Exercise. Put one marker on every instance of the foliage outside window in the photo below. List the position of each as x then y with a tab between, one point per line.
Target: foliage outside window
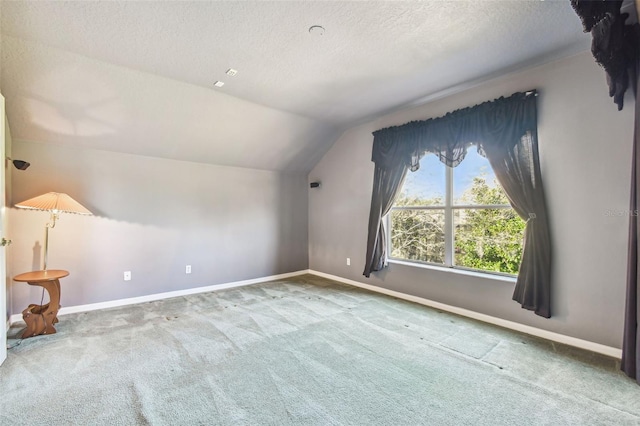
456	217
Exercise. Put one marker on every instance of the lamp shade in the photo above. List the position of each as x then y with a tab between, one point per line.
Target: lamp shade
55	202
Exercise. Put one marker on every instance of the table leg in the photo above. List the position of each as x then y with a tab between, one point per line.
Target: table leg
40	318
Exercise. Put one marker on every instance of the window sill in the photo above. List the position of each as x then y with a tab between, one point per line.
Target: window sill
484	275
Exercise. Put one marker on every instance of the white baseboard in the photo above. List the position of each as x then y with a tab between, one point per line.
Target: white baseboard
545	334
549	335
167	295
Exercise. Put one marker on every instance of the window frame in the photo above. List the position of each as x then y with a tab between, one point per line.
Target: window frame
449	209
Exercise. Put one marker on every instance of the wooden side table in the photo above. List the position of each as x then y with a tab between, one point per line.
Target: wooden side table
40	318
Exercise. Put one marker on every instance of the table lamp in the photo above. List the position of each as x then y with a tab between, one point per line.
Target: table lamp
55	203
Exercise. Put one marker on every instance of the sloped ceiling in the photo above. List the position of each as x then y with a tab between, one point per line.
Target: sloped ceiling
137	77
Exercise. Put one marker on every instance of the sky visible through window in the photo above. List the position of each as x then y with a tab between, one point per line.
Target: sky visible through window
429	182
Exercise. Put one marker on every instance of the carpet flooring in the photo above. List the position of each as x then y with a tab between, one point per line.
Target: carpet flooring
302	351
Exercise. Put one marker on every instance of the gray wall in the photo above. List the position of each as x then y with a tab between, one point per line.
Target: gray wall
585	148
152	217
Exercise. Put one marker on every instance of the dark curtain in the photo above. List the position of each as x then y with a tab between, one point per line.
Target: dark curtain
387	182
518	171
505	130
616	47
631	340
391	163
614	43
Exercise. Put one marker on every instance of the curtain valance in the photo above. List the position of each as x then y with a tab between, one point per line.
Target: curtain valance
500	123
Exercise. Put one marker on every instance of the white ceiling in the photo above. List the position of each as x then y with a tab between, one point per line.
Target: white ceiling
138	77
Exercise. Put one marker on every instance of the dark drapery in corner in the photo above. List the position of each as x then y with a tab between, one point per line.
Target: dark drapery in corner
631	341
505	130
616	47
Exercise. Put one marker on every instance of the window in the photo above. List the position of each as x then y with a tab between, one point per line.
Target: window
456	217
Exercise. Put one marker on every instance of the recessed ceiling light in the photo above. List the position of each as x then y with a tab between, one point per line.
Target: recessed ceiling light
232	72
316	30
219	83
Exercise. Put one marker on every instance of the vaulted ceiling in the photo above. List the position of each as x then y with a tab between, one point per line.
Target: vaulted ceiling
137	77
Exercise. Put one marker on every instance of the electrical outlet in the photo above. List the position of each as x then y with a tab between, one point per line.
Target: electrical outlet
348	261
127	275
187	269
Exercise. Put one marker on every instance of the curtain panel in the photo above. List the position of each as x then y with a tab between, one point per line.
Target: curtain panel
505	131
630	363
616	48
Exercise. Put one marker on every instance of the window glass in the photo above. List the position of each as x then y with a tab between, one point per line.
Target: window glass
426	186
418	235
474	182
487	234
488	239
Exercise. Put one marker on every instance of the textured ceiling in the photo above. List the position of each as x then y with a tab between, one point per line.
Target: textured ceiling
138	76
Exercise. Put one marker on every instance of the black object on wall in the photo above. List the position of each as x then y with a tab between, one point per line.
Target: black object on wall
314	185
20	164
